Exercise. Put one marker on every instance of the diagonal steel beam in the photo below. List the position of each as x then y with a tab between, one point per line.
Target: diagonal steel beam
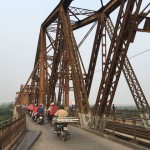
132	81
54	15
107	9
119	45
96	45
56	60
80	92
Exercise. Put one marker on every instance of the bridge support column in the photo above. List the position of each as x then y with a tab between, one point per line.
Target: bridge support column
85	120
99	122
42	67
145	117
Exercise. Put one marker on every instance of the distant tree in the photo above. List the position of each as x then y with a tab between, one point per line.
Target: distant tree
5	111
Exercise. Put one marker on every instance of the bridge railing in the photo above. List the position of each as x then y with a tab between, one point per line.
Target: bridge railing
11	130
126	117
130	131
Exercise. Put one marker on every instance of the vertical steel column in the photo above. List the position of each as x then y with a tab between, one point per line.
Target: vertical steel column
46	81
42	67
104	50
66	88
61	80
77	76
56	61
33	92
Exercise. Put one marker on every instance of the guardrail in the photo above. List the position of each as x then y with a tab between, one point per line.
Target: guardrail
131	130
127	113
11	130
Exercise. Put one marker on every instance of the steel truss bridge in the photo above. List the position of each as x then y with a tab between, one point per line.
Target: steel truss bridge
59	70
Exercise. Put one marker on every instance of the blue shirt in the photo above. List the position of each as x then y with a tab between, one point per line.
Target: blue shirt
40	110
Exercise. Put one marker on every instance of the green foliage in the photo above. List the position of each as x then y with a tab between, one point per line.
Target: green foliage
134	108
5	111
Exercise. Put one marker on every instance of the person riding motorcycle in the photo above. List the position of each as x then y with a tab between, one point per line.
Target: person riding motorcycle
60	113
49	116
35	111
40	115
40	110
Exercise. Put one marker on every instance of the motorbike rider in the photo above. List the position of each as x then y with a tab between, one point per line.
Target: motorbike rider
60	113
49	115
40	110
35	110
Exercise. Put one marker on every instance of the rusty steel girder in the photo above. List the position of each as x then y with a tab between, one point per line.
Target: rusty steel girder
96	45
135	88
77	76
58	61
107	9
116	56
74	11
53	19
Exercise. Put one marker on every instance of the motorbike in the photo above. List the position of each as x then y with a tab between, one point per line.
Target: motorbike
34	117
30	113
51	120
40	119
62	130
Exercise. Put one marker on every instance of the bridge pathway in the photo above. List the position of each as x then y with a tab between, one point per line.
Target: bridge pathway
78	140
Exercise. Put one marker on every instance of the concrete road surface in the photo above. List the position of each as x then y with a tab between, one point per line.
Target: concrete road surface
78	140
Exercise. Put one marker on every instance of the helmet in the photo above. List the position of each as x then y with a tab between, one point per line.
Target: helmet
61	107
41	105
52	104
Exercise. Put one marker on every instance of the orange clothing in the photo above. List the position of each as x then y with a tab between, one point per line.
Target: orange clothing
35	109
61	113
30	107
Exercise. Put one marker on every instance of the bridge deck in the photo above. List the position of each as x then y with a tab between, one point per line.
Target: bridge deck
79	139
31	136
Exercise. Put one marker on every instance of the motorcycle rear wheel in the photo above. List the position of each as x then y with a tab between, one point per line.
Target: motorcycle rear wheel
64	138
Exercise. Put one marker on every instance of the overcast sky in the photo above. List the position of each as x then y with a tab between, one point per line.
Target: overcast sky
19	30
